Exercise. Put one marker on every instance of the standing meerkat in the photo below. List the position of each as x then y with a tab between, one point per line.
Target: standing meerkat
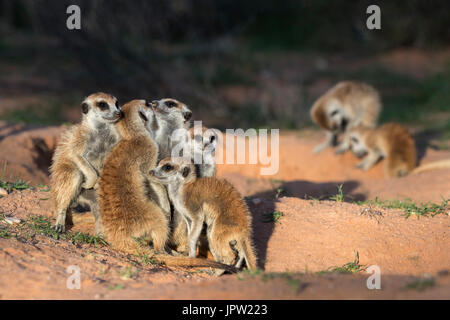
346	105
213	202
80	153
393	142
171	115
127	209
198	144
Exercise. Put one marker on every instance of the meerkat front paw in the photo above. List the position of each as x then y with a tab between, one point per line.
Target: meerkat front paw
60	228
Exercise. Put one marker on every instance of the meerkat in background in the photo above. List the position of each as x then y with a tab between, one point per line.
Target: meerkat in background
346	105
390	141
393	142
199	145
171	115
79	155
126	209
213	202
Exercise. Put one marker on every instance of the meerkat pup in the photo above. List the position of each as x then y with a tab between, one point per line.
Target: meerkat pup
346	105
171	115
199	145
127	211
393	142
213	202
79	155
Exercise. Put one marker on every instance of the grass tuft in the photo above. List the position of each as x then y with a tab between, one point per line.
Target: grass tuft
272	217
348	268
410	208
421	284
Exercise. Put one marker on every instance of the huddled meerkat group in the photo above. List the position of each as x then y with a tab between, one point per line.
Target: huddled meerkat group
352	109
117	161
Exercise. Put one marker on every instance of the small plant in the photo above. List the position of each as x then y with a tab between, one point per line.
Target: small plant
84	238
421	284
410	208
4	233
129	273
279	192
348	268
339	197
10	186
273	217
294	283
249	274
146	259
118	286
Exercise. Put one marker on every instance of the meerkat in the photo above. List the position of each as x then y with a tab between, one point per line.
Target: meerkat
393	142
213	202
127	211
346	105
204	145
79	155
199	145
171	115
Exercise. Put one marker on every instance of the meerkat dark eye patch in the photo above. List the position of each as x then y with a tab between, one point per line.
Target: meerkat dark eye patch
142	115
84	107
167	167
170	104
102	105
212	139
185	172
335	112
354	140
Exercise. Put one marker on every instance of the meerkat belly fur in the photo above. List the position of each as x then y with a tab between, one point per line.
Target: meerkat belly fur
346	105
213	202
79	156
126	209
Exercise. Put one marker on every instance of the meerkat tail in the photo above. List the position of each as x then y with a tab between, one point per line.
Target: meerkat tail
172	261
442	164
246	249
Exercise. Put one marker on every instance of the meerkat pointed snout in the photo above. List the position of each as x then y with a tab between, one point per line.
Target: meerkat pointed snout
79	155
213	202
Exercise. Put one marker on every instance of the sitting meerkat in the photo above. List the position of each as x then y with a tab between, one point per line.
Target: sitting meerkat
127	211
346	105
171	115
393	142
213	202
204	145
80	153
199	147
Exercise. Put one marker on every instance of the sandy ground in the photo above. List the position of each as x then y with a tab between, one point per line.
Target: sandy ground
309	238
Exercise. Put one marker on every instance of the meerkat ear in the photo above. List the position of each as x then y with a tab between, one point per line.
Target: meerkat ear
84	107
185	172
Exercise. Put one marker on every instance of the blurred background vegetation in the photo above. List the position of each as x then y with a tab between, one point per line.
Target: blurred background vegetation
254	63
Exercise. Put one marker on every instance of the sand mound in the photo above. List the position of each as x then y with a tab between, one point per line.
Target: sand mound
298	251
